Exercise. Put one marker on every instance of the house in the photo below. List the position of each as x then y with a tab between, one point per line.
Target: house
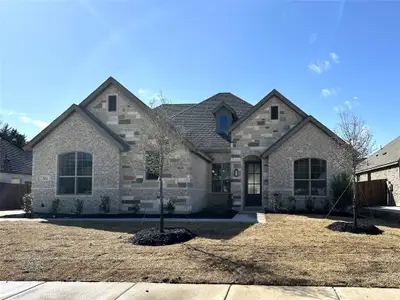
383	164
258	154
15	163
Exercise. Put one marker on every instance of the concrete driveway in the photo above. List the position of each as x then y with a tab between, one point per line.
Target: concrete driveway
35	290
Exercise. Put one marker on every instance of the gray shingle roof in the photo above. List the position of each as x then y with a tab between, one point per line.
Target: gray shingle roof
13	159
198	121
173	109
388	155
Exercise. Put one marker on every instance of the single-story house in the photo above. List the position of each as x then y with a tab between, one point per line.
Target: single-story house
15	164
384	164
253	153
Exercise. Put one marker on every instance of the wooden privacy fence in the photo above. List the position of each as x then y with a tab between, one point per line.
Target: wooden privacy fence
11	195
372	193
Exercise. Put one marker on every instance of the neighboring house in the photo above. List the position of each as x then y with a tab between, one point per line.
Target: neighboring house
252	152
383	164
15	163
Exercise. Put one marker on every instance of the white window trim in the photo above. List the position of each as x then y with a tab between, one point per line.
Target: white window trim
116	103
309	180
58	177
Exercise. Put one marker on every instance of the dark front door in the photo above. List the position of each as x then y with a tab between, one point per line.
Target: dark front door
253	183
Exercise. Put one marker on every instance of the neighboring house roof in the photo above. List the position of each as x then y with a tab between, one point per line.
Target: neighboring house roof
173	109
198	121
13	159
273	93
100	126
389	155
294	130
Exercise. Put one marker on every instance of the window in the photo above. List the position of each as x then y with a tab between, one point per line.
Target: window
75	173
310	177
220	178
274	112
223	123
112	103
152	164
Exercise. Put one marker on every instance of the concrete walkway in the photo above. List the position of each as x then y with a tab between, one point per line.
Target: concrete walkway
12	213
35	290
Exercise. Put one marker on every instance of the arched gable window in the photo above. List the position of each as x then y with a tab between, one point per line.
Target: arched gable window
75	173
310	177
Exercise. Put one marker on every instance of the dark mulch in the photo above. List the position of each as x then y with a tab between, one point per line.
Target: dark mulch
228	214
170	236
348	227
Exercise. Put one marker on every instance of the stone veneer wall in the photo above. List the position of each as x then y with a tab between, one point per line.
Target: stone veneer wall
309	142
391	174
253	137
127	121
75	134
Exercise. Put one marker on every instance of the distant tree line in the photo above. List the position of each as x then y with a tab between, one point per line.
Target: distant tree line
12	135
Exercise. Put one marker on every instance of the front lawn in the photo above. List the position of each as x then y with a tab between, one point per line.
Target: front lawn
286	250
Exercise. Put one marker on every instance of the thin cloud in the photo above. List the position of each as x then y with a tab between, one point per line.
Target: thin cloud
320	67
348	104
355	98
334	57
25	119
329	92
142	92
40	124
338	108
312	38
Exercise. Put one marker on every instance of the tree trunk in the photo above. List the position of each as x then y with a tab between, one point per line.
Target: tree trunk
161	205
354	200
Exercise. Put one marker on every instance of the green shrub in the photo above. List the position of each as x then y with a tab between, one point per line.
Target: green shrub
134	208
338	185
276	201
310	203
104	204
78	206
291	204
55	206
170	207
27	204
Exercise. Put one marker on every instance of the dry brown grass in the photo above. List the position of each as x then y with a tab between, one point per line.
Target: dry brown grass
287	250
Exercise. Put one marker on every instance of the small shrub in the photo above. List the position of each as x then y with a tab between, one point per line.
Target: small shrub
27	204
78	206
338	185
104	204
291	207
55	206
276	202
310	203
170	207
326	203
134	208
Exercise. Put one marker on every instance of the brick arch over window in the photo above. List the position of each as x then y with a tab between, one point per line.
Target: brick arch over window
75	173
310	177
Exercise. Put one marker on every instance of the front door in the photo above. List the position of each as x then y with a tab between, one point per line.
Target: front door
253	183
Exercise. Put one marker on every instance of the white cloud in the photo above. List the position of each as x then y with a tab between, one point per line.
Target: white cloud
40	124
348	104
312	38
25	119
355	98
329	92
334	57
320	67
142	92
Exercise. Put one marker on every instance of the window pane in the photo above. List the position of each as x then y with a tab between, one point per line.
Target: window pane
250	188
84	185
67	164
66	185
257	178
274	112
223	123
257	169
301	170
225	171
257	189
112	103
227	186
250	168
216	171
84	164
318	187
216	186
301	187
250	178
318	169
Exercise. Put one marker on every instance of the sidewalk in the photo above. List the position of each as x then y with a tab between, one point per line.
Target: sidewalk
32	290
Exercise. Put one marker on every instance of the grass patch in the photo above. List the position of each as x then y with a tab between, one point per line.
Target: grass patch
287	250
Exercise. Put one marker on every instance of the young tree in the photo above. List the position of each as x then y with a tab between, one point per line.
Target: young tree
12	135
161	148
359	143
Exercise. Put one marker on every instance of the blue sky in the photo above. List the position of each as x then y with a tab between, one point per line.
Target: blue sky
322	55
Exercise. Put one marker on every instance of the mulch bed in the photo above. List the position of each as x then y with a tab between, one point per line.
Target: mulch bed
170	236
348	227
